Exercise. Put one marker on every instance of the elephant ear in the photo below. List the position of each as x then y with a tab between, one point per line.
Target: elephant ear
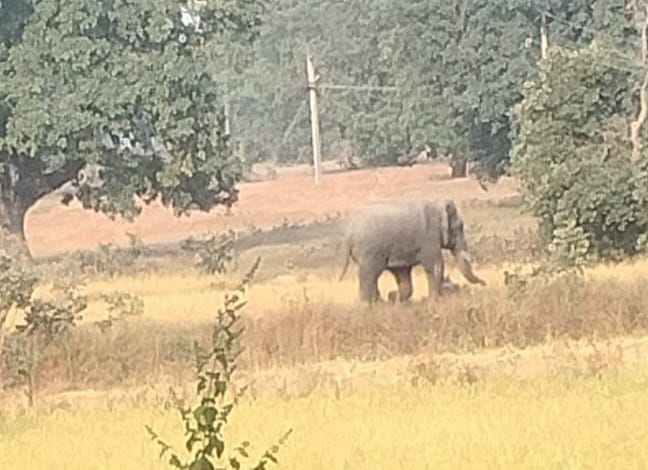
448	217
445	224
432	212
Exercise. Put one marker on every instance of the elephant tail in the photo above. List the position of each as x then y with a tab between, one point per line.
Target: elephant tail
346	248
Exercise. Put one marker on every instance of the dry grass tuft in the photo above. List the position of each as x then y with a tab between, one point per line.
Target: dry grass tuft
305	326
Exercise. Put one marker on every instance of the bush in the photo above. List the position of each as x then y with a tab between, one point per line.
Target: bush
205	423
213	253
17	283
572	153
111	260
33	329
46	323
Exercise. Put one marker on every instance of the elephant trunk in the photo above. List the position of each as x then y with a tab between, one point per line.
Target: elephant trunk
465	267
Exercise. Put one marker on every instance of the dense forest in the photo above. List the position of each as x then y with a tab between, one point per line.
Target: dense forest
458	67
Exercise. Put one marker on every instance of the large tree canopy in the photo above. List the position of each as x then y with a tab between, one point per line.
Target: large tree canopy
127	85
459	78
582	167
572	153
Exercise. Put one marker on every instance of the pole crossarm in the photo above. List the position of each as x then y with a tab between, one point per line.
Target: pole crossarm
359	87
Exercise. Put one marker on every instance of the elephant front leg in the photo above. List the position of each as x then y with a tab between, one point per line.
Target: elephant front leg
369	283
404	280
435	275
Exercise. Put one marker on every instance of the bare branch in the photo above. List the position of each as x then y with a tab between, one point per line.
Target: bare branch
66	173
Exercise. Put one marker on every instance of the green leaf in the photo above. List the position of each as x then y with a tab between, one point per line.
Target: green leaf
193	439
201	464
174	461
206	416
215	444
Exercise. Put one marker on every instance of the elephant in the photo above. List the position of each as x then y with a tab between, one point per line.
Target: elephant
399	236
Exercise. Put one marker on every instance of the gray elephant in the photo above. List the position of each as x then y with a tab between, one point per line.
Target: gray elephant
399	236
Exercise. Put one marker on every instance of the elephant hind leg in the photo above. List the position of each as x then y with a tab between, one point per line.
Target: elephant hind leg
404	280
368	276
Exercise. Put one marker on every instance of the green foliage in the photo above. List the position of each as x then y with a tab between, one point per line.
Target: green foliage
573	155
120	306
46	323
124	86
34	327
17	282
204	424
458	66
214	253
111	260
460	78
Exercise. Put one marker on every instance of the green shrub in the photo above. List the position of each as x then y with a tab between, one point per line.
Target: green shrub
572	153
213	253
205	422
46	323
111	260
17	282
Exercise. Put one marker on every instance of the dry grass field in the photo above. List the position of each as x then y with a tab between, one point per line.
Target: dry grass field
576	424
548	375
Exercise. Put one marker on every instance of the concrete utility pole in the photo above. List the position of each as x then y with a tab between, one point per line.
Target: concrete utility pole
544	36
314	116
226	111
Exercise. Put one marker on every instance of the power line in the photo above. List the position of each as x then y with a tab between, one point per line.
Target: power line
359	87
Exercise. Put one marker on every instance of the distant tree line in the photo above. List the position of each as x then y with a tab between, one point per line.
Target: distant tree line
459	67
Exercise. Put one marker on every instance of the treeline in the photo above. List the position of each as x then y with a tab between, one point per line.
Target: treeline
459	67
548	89
553	90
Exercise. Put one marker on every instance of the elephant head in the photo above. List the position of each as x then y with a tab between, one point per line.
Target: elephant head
453	239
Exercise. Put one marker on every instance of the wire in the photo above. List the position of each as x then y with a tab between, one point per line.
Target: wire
359	87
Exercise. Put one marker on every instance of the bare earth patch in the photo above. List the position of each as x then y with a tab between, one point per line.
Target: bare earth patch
54	228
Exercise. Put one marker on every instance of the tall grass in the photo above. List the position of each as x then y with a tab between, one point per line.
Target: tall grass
308	326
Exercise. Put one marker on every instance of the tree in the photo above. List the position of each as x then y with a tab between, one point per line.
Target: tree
572	152
461	65
124	85
344	39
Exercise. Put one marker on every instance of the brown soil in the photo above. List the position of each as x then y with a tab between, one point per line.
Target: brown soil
53	228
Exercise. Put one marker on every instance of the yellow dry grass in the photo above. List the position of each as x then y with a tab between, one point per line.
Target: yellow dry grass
549	423
191	297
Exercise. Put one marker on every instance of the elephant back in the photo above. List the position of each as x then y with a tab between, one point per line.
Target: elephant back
388	224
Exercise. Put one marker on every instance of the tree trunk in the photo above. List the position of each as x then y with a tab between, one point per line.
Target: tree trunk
459	167
12	220
3	334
